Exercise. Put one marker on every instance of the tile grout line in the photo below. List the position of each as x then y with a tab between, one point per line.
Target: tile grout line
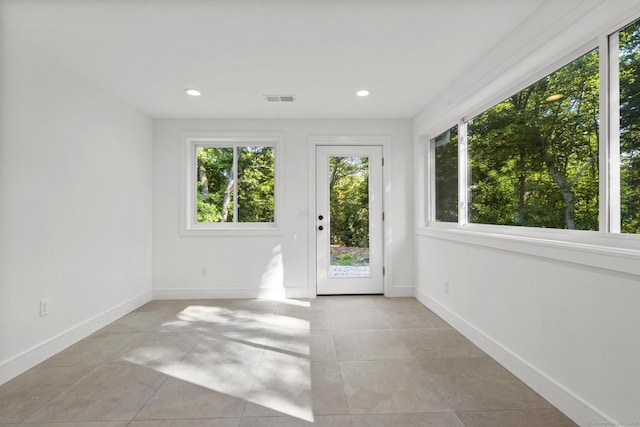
255	374
66	390
155	392
166	377
339	363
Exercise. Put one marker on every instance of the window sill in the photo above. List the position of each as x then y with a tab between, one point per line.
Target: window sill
620	253
235	230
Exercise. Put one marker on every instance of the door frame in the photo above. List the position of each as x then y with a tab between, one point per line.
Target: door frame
315	141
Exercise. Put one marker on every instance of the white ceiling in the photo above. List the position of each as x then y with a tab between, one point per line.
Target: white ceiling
406	52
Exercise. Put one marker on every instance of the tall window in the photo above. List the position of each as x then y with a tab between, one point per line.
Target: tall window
235	184
534	156
446	175
629	78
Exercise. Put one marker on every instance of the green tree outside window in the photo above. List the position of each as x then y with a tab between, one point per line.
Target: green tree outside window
534	156
219	183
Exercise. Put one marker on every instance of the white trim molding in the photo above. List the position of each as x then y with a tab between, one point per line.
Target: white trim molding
385	142
231	293
615	253
564	399
29	358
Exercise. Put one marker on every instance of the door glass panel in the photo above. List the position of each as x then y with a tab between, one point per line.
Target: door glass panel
349	217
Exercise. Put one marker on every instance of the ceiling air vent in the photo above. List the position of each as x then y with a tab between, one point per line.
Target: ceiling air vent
280	98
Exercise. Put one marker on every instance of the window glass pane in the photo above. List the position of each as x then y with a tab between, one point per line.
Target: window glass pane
256	189
629	51
446	172
534	156
215	184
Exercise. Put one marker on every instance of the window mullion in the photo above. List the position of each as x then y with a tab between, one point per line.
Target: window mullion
192	196
235	183
463	175
431	181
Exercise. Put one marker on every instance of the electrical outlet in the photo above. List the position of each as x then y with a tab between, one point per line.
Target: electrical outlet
44	307
203	271
446	287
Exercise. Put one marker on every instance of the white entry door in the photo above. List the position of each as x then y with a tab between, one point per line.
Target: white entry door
349	220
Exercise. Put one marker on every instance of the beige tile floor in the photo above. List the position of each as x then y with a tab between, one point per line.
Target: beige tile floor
333	361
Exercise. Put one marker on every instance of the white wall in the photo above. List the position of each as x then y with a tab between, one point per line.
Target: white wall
569	330
75	207
271	265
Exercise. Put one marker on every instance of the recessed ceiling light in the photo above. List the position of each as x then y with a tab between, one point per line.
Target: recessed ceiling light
363	92
193	92
554	97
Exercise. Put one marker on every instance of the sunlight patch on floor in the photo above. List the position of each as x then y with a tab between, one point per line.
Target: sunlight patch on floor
296	302
259	357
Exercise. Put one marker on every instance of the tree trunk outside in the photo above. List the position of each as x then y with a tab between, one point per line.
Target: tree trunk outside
202	175
567	194
569	211
334	173
226	201
227	196
522	182
563	185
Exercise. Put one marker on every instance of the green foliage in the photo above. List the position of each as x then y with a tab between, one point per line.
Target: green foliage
215	170
630	128
345	259
256	167
446	164
217	184
534	159
349	201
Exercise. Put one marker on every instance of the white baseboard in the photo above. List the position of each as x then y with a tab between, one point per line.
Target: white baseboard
402	292
21	362
562	398
279	293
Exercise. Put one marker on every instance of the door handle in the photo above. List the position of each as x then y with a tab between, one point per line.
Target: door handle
320	228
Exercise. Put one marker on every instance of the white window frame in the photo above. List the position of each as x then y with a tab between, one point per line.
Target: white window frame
602	248
189	226
431	180
463	159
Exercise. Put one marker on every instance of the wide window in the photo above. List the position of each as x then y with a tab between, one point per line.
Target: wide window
231	183
534	156
446	175
534	159
629	78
